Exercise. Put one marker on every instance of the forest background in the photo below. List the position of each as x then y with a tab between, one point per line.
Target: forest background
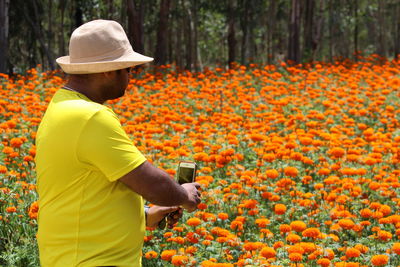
191	34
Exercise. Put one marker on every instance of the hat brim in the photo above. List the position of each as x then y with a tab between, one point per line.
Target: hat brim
125	61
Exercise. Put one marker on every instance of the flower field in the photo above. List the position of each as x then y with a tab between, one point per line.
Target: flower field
299	165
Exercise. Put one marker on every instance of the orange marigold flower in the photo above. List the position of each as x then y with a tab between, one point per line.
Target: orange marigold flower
324	262
380	260
11	209
352	253
324	171
280	209
385	209
295	257
295	249
396	248
16	142
366	213
151	255
291	171
262	222
193	222
293	238
298	226
384	235
223	216
167	254
337	152
3	169
268	252
285	228
346	224
311	232
179	260
362	248
272	174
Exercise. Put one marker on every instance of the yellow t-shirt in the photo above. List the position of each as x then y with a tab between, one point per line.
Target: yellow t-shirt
86	217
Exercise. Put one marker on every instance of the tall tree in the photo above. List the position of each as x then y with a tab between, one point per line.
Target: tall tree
231	32
294	32
136	15
4	23
308	37
162	33
397	31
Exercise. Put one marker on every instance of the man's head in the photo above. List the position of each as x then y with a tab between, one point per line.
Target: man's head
99	61
100	46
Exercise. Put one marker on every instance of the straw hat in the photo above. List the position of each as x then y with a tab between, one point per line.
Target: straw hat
100	46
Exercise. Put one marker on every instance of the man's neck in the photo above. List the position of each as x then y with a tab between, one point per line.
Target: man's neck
86	90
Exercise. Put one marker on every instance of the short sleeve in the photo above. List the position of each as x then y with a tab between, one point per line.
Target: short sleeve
104	145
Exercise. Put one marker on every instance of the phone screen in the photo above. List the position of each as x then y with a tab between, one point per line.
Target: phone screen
186	172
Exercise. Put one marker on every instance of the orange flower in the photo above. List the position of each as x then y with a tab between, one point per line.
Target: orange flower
324	262
193	222
272	174
262	222
311	232
279	209
151	255
3	169
11	209
16	142
167	254
396	248
285	228
337	152
379	260
295	257
180	260
293	238
384	235
298	226
268	252
346	224
291	171
223	216
352	253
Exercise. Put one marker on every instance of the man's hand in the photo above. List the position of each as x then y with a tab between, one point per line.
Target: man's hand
193	196
157	213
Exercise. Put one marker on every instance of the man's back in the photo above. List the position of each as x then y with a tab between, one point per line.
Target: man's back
86	217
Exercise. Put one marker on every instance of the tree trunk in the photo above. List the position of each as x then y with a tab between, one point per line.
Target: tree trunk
35	23
160	55
50	28
4	24
397	32
271	29
110	9
188	41
245	35
294	32
231	33
355	38
78	15
61	37
319	30
382	29
309	42
330	30
135	24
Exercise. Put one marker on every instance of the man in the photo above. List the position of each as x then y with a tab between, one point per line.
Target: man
91	179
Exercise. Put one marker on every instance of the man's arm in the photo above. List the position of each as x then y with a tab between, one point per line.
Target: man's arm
157	187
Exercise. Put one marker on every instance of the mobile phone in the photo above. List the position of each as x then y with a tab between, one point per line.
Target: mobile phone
186	174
